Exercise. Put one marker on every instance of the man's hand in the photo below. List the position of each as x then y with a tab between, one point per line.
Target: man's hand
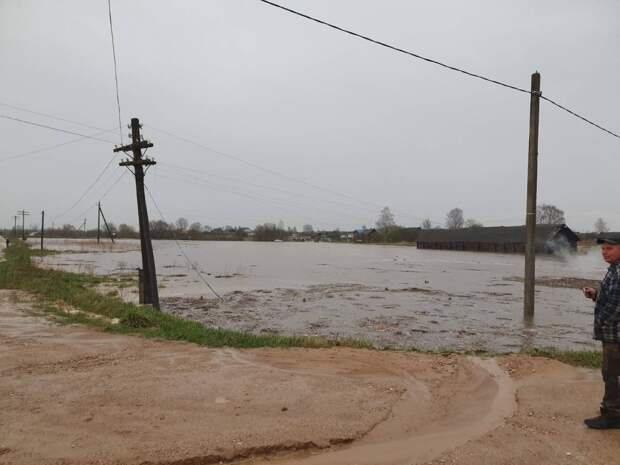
590	293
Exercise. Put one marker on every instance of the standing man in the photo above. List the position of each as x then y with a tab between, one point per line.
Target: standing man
606	321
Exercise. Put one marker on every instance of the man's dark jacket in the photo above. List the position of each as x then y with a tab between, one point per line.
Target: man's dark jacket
607	311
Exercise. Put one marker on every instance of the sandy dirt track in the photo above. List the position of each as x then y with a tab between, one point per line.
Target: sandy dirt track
72	395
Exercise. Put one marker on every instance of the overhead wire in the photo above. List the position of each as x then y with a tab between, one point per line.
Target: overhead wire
577	115
278	174
392	47
52	147
189	262
118	100
47	115
291	207
81	137
435	62
105	194
192	173
53	128
88	189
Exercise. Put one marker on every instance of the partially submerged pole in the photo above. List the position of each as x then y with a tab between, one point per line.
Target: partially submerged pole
107	227
42	227
530	212
98	222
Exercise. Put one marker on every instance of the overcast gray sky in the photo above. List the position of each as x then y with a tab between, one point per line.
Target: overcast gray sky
313	104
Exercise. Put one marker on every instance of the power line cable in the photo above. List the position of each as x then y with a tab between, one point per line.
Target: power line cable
283	205
118	101
52	147
576	115
189	262
261	201
392	47
88	189
430	60
32	123
109	189
193	172
276	173
47	115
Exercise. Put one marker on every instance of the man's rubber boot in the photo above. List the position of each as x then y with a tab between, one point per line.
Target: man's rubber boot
603	422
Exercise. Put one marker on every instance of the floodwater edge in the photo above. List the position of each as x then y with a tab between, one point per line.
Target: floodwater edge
72	299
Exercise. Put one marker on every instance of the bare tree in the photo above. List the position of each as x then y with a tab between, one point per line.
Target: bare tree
385	220
426	224
600	226
307	228
472	223
454	219
549	214
182	224
195	231
161	230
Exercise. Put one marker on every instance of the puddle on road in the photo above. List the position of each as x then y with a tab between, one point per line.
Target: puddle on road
390	295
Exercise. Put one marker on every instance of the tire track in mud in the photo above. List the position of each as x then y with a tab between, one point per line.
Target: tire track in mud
480	399
477	410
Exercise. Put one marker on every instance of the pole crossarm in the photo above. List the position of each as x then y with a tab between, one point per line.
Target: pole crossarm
141	161
143	144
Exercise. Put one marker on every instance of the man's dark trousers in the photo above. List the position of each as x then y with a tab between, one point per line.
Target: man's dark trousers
611	376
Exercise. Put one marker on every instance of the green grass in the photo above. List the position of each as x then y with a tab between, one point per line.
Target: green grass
582	358
42	253
56	288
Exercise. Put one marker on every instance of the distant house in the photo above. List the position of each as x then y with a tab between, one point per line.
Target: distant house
408	234
364	235
550	238
346	236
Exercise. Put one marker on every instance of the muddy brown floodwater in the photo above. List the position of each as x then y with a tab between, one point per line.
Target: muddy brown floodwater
390	295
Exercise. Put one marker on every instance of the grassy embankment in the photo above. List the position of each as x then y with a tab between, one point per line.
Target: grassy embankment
59	290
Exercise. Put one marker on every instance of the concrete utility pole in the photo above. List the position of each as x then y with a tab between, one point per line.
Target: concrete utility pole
24	214
151	295
530	212
42	227
15	226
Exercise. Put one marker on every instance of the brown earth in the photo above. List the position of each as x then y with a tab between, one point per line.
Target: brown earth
73	395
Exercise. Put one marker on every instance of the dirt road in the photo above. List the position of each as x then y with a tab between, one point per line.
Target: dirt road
72	395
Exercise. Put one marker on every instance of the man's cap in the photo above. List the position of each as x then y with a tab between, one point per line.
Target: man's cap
609	238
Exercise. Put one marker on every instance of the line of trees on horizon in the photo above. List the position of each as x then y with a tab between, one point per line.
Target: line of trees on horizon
386	229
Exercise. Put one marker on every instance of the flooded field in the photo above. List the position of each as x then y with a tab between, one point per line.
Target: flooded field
390	295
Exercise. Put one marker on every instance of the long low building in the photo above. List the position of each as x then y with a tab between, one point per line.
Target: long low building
550	238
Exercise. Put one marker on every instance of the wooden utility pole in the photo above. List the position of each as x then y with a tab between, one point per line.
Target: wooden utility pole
23	213
15	226
530	212
107	227
42	227
151	295
98	222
